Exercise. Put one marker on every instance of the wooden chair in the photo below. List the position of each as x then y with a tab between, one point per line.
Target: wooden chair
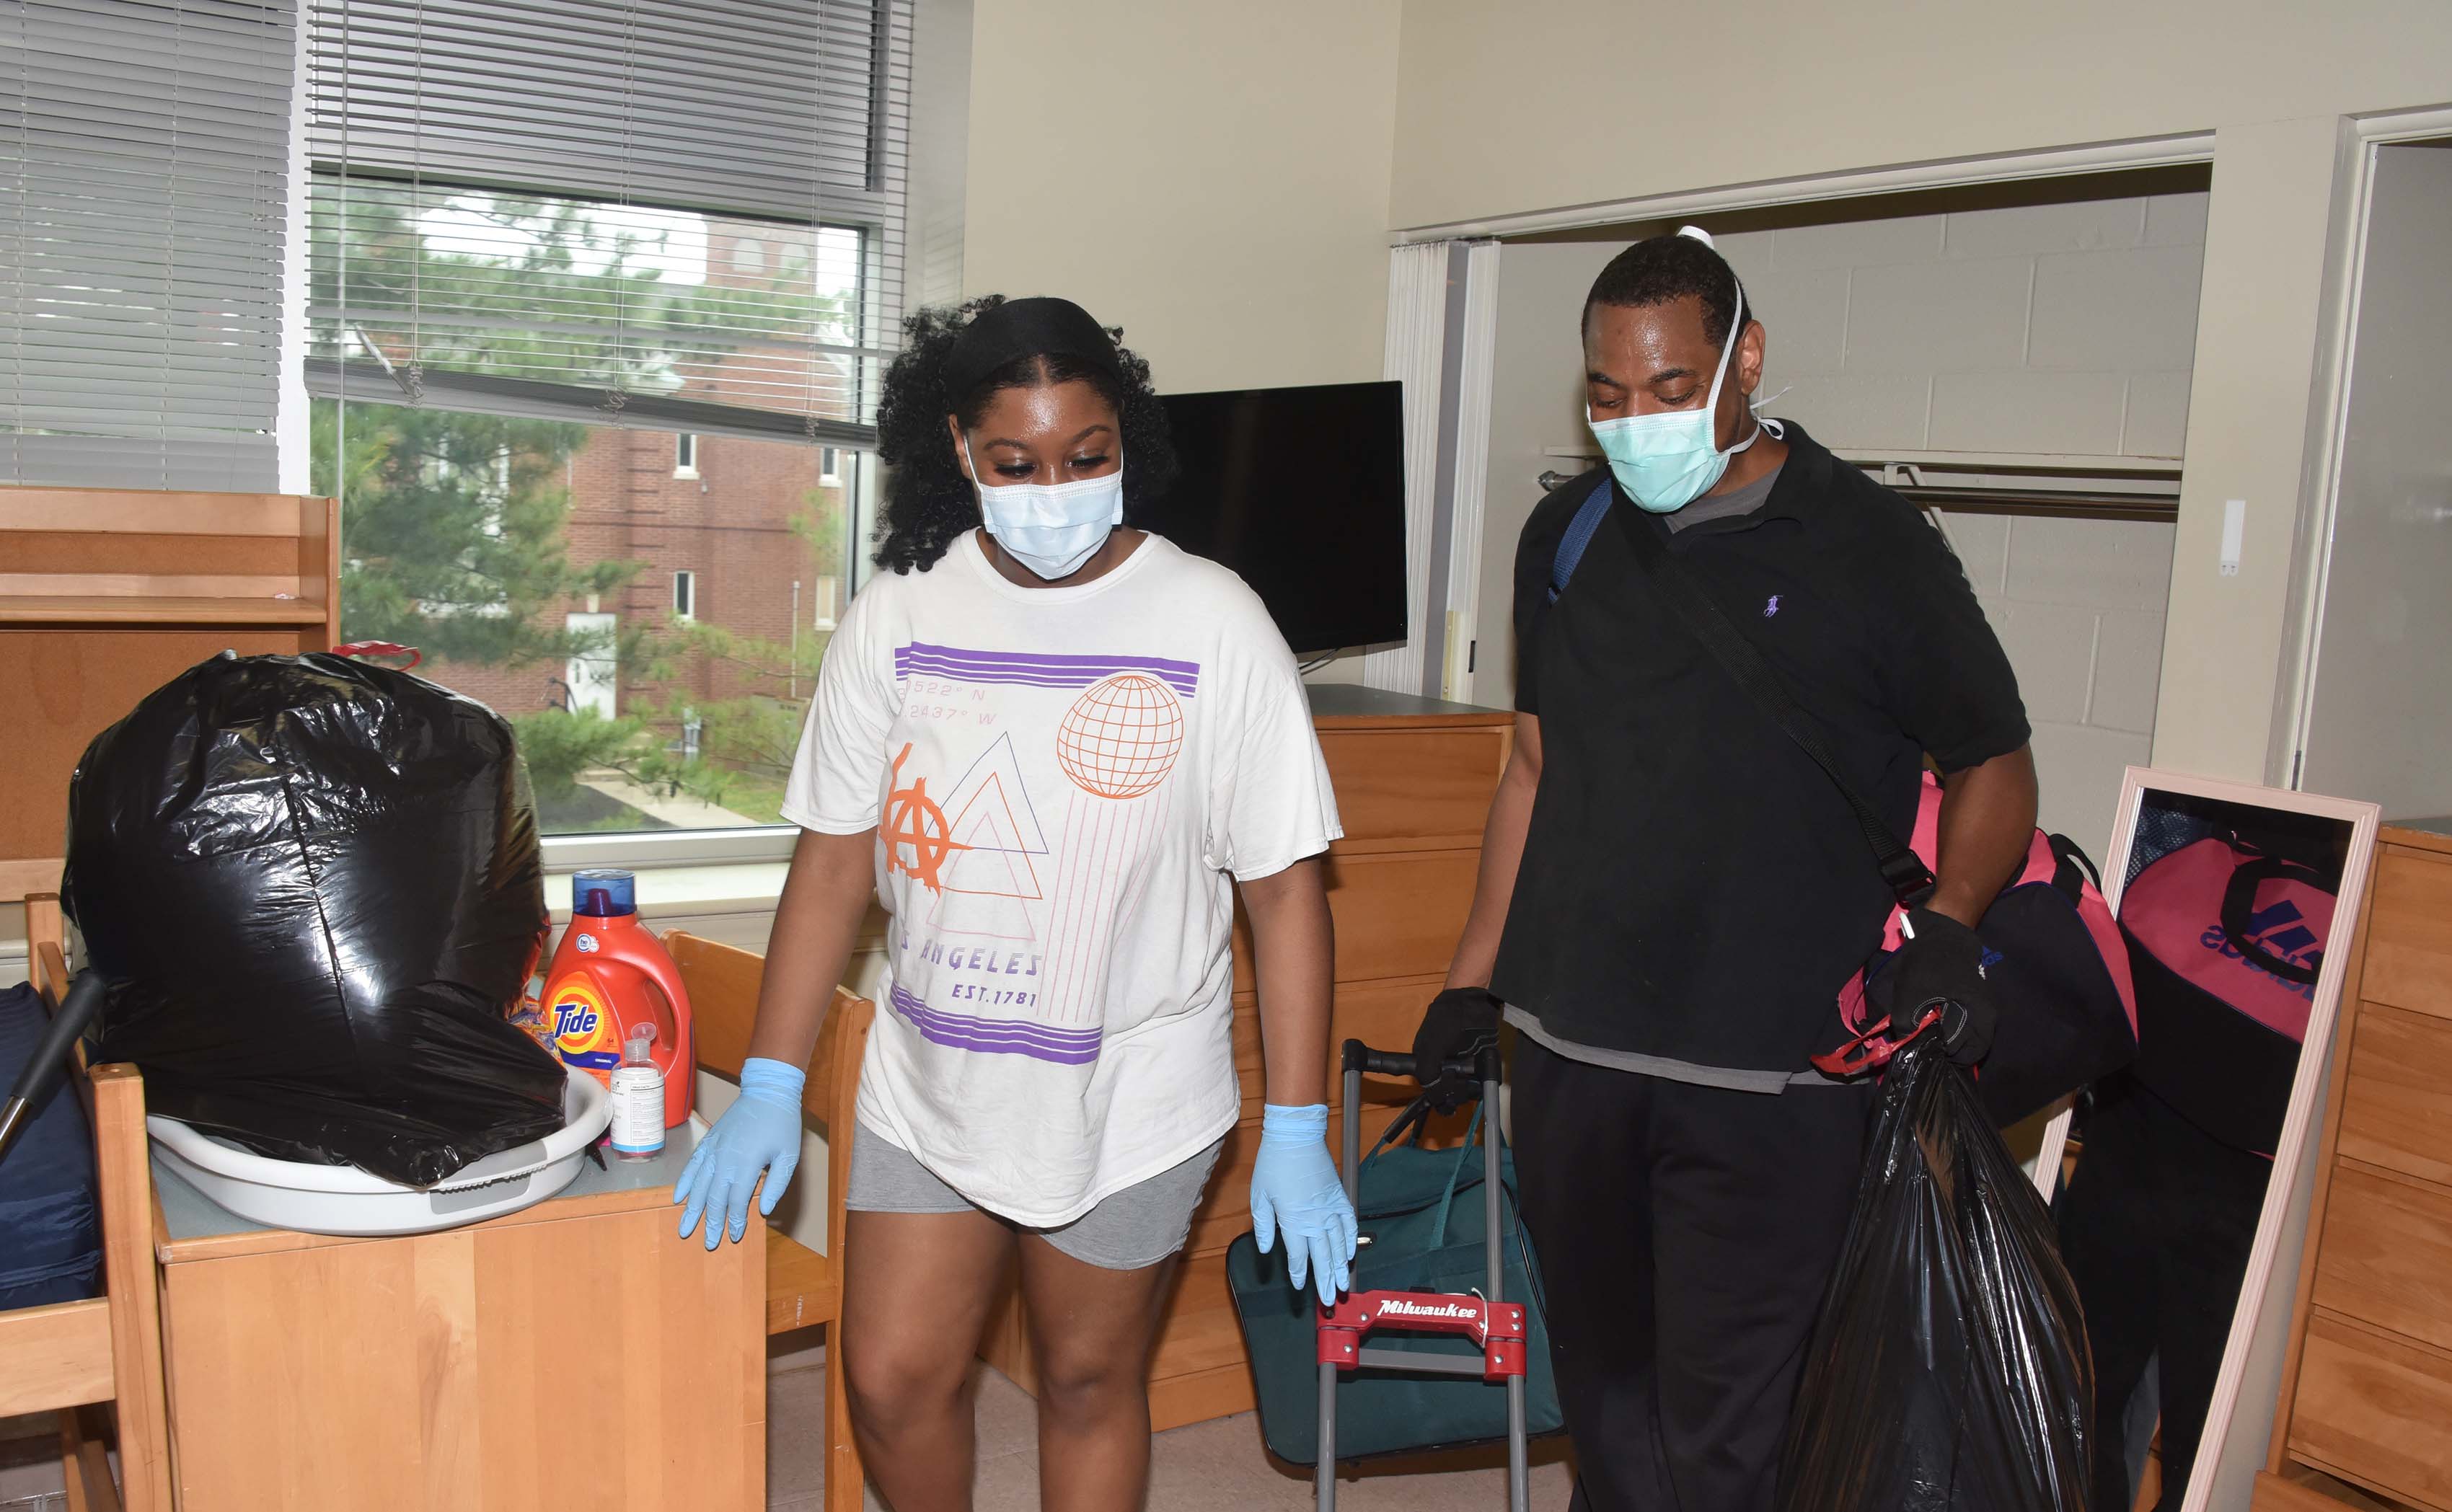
802	1285
72	1356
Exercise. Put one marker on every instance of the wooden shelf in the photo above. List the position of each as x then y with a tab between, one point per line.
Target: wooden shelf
104	609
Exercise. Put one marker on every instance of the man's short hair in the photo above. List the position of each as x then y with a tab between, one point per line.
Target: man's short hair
1660	269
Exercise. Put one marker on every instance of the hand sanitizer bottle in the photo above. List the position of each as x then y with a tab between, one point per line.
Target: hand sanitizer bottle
638	1099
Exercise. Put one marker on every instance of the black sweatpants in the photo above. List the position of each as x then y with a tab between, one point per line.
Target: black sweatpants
1685	1236
2155	1231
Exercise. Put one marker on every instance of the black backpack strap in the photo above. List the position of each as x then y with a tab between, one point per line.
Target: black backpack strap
2072	869
2239	902
1911	880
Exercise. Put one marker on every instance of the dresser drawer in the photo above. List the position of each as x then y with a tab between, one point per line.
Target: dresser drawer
1397	915
2377	1409
2386	1256
2397	1111
2409	933
1397	783
2306	1490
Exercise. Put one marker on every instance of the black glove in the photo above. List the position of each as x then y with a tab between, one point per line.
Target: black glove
1462	1021
1942	961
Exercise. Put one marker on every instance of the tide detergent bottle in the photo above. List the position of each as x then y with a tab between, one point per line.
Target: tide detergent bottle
608	976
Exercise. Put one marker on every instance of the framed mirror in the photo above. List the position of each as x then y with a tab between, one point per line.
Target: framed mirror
2181	1183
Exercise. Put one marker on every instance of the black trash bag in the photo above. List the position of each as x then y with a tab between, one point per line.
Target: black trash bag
314	890
1948	1371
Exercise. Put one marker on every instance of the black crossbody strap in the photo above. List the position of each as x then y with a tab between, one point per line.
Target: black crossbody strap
1909	879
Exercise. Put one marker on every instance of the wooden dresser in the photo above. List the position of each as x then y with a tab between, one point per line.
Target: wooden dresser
2366	1406
1414	783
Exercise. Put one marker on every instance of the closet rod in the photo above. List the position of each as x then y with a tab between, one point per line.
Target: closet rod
2056	503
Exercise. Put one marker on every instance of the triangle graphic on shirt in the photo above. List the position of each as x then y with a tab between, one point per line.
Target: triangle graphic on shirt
990	863
994	785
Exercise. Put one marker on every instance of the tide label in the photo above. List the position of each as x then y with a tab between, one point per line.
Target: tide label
584	1033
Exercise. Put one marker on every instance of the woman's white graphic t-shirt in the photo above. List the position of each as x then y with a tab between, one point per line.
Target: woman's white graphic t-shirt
1062	781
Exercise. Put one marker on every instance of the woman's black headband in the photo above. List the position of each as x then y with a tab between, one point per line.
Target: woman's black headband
1040	327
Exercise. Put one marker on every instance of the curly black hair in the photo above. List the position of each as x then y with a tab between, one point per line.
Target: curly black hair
928	502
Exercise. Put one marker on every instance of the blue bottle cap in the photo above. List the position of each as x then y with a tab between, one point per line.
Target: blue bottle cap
603	895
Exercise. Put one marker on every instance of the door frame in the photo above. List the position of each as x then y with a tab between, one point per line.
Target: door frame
2329	422
1942	173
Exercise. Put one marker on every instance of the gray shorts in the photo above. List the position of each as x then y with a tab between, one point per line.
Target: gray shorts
1127	1231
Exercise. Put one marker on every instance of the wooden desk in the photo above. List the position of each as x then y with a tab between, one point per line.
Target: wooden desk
577	1355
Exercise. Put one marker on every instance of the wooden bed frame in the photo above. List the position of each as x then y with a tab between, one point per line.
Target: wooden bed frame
105	595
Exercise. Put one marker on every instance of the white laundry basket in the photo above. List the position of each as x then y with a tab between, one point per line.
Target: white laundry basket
318	1199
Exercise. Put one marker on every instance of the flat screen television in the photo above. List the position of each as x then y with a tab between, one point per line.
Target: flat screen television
1302	492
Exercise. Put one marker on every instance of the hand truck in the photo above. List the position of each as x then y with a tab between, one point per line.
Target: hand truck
1488	1319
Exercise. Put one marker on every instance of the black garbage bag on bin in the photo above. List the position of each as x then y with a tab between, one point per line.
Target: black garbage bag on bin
314	889
1948	1371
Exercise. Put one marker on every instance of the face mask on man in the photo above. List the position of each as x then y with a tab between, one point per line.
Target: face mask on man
1666	460
1051	528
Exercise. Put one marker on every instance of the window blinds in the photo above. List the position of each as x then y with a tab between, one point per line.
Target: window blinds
682	214
143	154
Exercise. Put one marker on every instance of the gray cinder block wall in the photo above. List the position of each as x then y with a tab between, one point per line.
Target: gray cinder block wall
2058	329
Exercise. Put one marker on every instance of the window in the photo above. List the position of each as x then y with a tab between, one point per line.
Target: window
142	185
529	311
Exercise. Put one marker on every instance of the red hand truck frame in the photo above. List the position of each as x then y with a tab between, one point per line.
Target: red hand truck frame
1488	1318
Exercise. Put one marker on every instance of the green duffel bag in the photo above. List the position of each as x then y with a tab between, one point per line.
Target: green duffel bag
1421	1211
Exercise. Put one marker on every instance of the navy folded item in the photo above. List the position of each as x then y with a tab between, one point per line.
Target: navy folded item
50	1225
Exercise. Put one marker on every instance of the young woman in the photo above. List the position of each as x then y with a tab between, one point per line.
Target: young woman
1045	741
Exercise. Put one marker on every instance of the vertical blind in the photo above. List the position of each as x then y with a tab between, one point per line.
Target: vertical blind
682	214
144	159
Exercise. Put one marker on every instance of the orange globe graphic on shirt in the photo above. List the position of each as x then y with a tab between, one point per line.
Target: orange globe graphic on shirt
1122	738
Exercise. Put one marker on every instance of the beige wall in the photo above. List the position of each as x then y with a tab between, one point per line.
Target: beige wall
1523	107
1212	178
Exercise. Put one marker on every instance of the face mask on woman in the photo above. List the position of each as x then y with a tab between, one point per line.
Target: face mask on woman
1668	459
1051	528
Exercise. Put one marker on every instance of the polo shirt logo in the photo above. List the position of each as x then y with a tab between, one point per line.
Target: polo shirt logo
1772	608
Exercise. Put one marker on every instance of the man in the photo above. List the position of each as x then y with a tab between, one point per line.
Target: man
1672	894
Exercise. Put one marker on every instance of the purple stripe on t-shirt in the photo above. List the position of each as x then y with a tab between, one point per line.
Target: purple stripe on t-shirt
997	1036
1039	669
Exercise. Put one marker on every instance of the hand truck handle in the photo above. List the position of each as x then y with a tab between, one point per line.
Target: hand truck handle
1357	1056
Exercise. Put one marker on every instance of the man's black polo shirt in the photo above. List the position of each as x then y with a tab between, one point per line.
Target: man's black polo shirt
1692	887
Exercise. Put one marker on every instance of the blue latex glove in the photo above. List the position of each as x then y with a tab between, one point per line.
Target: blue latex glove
759	1131
1295	1186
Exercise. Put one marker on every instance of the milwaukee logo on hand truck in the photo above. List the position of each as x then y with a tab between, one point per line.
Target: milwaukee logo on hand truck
1497	1326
